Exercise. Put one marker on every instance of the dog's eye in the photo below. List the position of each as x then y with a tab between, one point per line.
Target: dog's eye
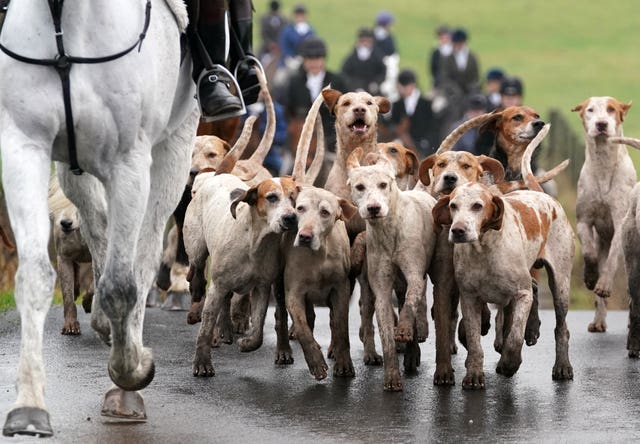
301	209
518	118
359	187
393	151
346	103
325	213
476	206
382	185
211	155
611	109
589	110
273	198
453	206
442	165
369	102
466	166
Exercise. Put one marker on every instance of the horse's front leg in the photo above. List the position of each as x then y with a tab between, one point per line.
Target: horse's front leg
168	175
25	176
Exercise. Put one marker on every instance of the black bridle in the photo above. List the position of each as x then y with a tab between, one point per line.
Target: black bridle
63	62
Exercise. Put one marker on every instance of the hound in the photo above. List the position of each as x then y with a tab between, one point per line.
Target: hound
605	183
400	242
498	240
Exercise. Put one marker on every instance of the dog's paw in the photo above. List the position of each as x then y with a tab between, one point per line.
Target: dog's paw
591	274
372	358
319	370
403	333
284	357
344	369
203	366
508	365
392	381
250	343
71	328
562	372
195	313
444	375
532	332
473	381
597	327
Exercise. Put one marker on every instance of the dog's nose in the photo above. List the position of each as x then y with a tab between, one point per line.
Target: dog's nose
305	238
457	232
601	126
373	209
66	225
290	220
450	179
359	111
537	124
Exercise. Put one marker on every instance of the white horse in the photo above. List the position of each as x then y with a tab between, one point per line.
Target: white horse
134	122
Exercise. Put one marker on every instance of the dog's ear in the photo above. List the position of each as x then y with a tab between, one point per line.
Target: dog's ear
238	195
425	168
441	213
412	162
493	166
492	124
624	108
580	107
331	97
353	161
495	220
371	159
348	210
384	105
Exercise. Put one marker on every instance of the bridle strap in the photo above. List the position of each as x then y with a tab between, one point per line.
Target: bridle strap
62	62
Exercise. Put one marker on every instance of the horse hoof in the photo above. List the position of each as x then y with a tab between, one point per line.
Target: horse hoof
123	406
27	421
177	301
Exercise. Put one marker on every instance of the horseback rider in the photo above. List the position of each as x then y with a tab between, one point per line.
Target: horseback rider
220	37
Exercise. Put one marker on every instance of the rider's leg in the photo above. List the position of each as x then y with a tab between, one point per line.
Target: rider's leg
242	25
215	97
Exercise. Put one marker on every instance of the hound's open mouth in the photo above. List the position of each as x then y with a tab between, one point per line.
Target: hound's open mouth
359	127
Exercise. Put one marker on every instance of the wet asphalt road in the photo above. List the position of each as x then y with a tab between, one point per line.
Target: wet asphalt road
252	400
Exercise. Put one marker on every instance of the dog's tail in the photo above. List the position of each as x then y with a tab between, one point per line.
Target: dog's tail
316	164
302	151
270	130
230	159
525	164
457	133
630	141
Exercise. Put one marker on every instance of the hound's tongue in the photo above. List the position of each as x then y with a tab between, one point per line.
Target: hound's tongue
358	126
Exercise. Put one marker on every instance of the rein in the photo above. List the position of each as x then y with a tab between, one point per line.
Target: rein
63	62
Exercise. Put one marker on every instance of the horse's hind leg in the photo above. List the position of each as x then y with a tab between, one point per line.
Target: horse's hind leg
25	174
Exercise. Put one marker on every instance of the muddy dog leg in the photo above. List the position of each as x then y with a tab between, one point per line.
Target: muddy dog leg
471	316
515	323
343	365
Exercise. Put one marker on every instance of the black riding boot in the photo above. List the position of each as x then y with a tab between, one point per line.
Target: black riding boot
216	99
243	62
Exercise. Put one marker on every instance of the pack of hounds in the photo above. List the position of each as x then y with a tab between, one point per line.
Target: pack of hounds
478	228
